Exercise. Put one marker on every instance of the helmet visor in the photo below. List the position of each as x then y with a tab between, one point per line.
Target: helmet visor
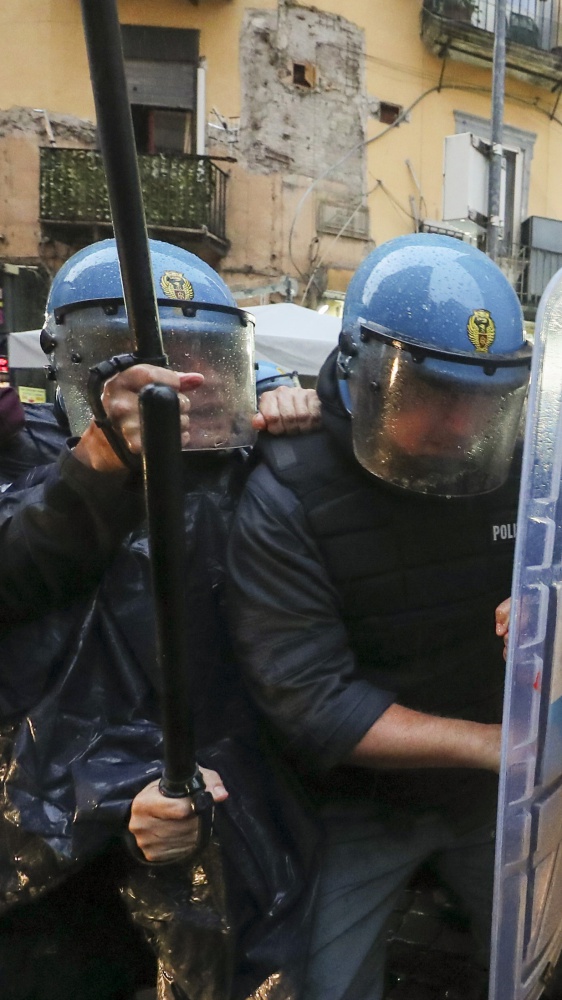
222	407
219	345
437	427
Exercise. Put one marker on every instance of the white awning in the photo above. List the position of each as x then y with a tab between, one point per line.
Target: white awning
24	350
293	337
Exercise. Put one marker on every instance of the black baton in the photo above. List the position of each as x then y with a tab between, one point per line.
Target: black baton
117	143
163	467
160	406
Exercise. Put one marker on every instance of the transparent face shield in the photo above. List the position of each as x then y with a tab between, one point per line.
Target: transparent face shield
217	343
433	422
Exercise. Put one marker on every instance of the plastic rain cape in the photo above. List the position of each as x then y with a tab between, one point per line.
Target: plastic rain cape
235	922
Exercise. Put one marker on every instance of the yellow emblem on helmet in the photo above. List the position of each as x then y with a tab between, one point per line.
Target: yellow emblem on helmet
176	286
481	330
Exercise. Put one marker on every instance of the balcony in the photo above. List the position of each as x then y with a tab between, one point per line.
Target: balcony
464	30
184	197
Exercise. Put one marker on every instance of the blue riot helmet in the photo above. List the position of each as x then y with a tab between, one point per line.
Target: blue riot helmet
434	366
271	376
202	330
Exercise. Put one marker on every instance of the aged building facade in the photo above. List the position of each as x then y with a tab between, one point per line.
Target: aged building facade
279	140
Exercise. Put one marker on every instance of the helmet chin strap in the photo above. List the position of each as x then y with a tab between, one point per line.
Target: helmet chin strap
98	376
345	395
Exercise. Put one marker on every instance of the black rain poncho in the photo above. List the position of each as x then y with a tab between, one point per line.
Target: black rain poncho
79	699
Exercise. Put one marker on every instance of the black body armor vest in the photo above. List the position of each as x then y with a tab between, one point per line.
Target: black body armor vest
418	580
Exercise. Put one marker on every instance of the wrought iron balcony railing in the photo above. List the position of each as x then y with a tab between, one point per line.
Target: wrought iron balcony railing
529	270
186	193
535	23
465	29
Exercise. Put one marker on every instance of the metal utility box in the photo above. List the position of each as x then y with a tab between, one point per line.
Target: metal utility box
543	239
465	182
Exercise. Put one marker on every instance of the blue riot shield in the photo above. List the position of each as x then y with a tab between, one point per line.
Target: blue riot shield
527	923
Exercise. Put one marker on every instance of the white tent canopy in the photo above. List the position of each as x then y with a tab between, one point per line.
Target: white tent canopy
24	350
294	338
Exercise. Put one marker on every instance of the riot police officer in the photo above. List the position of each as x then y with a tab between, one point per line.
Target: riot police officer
75	589
365	570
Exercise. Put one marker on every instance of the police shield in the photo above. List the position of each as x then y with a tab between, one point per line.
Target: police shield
527	923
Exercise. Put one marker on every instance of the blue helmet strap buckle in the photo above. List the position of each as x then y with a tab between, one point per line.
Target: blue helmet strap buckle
98	376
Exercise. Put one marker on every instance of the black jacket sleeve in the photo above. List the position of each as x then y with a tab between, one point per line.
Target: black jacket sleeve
57	537
289	635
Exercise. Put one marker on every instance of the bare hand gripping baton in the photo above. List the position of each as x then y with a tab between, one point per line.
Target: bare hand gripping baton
159	404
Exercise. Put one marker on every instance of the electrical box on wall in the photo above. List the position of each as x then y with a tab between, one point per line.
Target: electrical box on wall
466	168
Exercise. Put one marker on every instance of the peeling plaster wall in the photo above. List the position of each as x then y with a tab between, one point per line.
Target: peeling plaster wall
22	132
288	137
294	128
60	130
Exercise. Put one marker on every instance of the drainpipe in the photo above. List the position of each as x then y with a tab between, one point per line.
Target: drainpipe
498	94
201	114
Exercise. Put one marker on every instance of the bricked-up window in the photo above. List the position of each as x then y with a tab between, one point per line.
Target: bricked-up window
388	113
304	75
161	69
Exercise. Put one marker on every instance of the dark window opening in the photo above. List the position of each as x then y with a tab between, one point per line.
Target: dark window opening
159	130
388	113
304	75
22	298
161	71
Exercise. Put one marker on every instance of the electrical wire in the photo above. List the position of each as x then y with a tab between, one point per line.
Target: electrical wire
334	166
395	202
336	238
466	88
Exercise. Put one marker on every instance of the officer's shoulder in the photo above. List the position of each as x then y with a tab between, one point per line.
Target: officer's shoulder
294	458
285	450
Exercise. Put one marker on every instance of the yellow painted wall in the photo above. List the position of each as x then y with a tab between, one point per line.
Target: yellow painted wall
19	205
43	57
400	70
43	65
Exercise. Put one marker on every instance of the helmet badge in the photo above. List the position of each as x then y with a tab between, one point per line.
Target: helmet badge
481	330
176	286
